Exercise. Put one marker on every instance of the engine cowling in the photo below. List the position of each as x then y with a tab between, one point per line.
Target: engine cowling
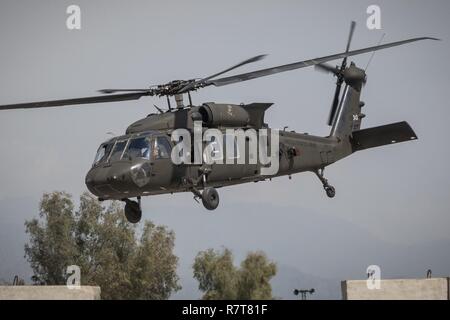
226	115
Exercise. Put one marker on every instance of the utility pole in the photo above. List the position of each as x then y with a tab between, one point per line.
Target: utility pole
303	292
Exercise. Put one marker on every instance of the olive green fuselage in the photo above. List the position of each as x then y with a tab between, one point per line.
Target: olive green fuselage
117	180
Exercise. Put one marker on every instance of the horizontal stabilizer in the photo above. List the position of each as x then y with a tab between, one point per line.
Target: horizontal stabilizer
383	135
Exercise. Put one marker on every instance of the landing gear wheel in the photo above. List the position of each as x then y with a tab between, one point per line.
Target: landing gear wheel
133	211
210	198
331	192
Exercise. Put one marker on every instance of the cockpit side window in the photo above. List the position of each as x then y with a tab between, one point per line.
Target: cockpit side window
102	153
138	148
118	150
161	148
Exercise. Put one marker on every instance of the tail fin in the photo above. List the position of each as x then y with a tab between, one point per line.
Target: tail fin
348	116
347	120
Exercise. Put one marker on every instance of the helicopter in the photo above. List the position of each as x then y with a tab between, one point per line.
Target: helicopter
141	163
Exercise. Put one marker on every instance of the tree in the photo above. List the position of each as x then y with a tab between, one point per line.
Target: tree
52	247
254	277
105	247
219	279
216	274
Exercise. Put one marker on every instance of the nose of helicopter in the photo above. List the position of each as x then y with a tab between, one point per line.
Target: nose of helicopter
110	182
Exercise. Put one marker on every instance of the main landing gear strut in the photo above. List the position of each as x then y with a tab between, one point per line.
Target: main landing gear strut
329	189
209	196
133	210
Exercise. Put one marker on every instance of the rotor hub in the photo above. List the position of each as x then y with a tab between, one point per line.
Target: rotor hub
354	76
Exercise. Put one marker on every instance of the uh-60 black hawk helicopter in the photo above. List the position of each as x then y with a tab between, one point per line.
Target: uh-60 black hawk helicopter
139	163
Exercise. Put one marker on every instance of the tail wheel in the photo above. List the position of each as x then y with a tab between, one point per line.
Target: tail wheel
133	211
210	198
331	192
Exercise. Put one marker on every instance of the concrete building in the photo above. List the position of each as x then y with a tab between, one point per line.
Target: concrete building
49	293
397	289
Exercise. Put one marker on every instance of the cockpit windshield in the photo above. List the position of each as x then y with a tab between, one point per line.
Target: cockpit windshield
144	147
138	148
118	150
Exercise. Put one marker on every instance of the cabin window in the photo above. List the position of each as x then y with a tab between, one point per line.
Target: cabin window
161	148
138	148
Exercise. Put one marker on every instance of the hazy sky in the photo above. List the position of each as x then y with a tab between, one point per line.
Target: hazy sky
397	195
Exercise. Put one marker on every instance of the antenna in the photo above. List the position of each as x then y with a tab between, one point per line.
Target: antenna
373	53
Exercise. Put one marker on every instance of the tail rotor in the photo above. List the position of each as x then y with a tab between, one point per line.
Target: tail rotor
339	73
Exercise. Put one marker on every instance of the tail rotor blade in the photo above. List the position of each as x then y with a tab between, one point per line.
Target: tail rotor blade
349	42
335	104
339	74
350	36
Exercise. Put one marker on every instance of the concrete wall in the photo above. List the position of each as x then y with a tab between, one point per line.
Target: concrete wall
397	289
48	293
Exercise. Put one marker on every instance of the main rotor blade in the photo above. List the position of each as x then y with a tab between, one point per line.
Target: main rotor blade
108	91
65	102
302	64
251	60
193	84
327	68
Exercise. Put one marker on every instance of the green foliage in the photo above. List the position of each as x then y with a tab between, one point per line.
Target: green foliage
105	247
254	276
52	247
216	274
219	279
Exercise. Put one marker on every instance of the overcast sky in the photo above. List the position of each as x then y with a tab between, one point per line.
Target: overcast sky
397	195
